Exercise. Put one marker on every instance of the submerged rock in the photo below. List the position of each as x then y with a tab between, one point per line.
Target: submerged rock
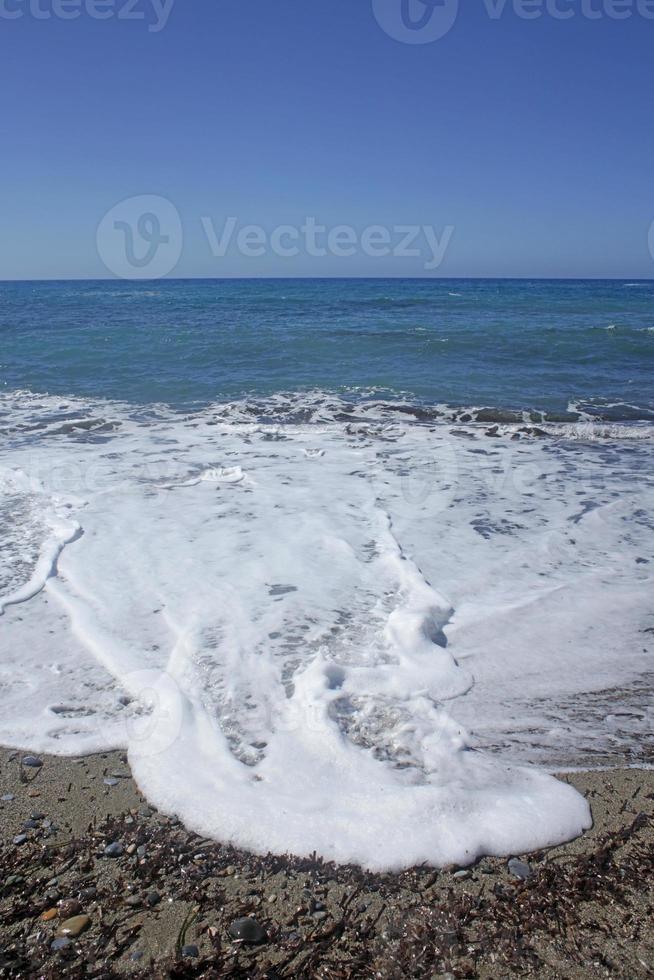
247	931
73	927
519	869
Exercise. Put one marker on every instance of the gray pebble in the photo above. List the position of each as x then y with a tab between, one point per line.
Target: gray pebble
110	781
320	916
247	931
190	951
30	825
32	761
20	839
59	944
462	875
114	850
519	869
8	797
153	899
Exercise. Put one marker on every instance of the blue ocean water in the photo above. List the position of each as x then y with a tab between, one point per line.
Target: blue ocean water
548	346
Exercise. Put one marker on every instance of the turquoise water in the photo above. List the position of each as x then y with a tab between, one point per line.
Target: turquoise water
541	345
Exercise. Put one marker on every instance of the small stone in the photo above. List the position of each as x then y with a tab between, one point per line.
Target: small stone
59	944
136	956
519	869
190	951
462	875
37	815
73	927
320	915
8	797
49	915
247	931
271	899
110	781
33	793
68	907
133	901
131	848
114	850
32	761
141	850
153	899
20	839
30	825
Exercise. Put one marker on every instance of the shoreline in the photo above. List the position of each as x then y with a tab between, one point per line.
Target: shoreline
584	910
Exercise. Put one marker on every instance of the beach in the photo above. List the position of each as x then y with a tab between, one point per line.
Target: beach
161	902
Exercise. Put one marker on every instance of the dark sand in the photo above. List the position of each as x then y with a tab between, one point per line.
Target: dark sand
586	911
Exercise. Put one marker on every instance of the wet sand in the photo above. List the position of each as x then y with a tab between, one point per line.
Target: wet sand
161	902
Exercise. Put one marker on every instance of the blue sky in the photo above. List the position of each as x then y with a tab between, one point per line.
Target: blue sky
533	140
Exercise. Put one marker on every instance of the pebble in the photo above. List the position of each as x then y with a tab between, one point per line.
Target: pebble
69	907
73	927
59	944
30	825
37	815
8	797
153	899
519	869
49	915
110	781
20	839
131	848
190	951
141	850
114	850
247	931
133	900
320	915
32	761
462	875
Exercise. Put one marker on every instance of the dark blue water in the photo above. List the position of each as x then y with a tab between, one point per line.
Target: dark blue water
505	344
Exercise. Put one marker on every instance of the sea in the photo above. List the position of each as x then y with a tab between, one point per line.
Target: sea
347	567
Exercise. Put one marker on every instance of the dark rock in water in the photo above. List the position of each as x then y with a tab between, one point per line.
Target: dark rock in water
247	931
32	761
519	869
20	839
190	951
114	850
59	944
69	907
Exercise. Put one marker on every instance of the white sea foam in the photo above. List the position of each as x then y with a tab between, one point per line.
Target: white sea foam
338	637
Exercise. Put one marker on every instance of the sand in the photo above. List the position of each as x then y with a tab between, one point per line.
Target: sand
164	906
